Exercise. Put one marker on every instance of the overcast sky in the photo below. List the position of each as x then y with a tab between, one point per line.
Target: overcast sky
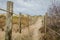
32	7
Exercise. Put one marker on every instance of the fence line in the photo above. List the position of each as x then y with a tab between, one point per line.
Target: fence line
9	21
46	27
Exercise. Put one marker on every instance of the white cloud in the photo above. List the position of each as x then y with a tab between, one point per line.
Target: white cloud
25	6
29	6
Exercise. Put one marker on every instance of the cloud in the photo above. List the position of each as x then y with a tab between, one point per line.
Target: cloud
32	7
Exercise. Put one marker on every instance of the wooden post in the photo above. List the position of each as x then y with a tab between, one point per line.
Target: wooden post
20	22
45	24
29	28
8	31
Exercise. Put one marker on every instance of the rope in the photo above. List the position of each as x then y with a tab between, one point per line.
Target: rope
53	31
6	11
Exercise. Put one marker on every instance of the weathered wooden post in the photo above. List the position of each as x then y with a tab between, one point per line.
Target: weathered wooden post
30	38
8	31
20	22
45	24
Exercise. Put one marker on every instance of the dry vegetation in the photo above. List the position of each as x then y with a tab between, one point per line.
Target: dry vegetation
28	32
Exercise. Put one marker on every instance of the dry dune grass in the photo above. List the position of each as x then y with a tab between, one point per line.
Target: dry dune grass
28	33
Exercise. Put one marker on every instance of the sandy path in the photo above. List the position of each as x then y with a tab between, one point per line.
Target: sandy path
35	29
2	35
